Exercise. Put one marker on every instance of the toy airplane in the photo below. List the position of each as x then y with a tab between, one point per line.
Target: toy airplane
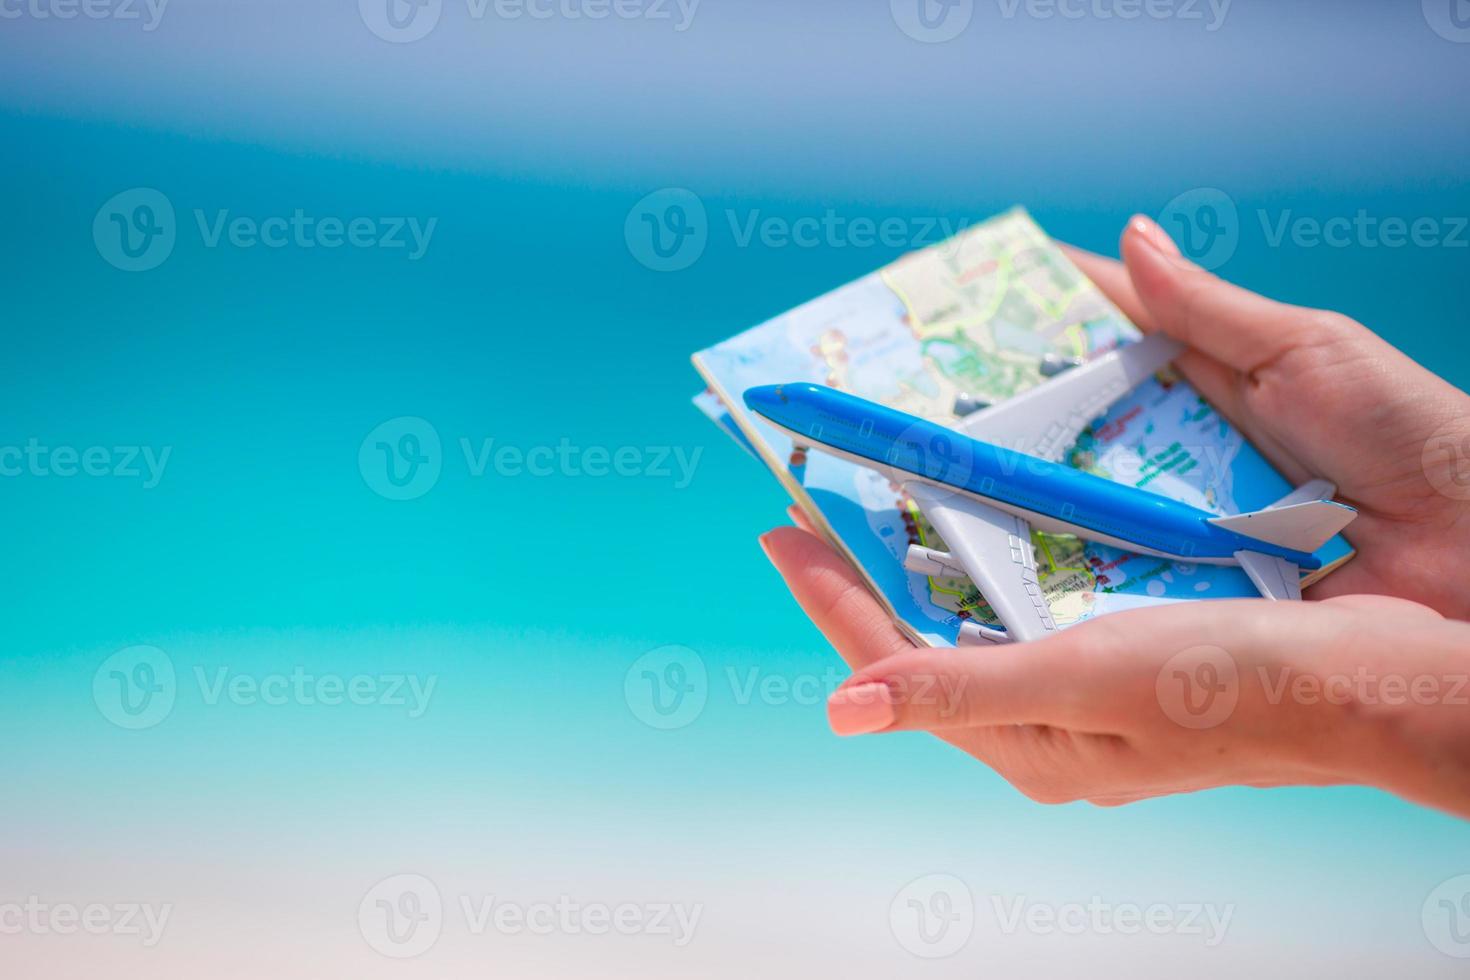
985	498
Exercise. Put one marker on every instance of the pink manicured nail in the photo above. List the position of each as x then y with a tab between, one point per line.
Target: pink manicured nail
1154	235
861	709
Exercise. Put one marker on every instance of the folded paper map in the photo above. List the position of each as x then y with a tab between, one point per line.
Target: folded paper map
974	321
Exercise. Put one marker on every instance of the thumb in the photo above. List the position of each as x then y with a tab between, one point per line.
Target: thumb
937	690
1232	325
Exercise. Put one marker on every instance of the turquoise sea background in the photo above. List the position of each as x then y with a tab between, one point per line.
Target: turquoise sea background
535	769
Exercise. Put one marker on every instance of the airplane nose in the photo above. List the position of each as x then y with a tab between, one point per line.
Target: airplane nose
764	400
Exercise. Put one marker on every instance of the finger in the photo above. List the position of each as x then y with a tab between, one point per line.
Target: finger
1114	801
1111	276
799	518
1233	325
834	596
947	690
1224	388
1219	384
1385	605
1214	380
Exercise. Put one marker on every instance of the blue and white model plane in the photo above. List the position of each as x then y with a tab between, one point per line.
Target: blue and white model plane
985	483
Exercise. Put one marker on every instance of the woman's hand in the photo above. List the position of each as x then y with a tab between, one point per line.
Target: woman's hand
1361	689
1357	689
1321	396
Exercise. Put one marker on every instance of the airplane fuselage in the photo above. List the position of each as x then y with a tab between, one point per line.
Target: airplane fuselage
1052	497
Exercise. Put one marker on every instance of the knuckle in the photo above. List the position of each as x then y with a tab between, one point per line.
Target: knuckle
1328	326
1314	342
1322	338
1044	791
844	600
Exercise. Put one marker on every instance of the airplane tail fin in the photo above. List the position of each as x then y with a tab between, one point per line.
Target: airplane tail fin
1299	526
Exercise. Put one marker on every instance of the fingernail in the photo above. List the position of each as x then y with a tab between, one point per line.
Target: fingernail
861	709
764	541
1153	234
1149	232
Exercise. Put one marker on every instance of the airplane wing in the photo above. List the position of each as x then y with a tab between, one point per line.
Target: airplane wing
1275	578
1046	420
995	549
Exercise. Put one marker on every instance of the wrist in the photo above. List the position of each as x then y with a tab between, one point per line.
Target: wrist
1410	718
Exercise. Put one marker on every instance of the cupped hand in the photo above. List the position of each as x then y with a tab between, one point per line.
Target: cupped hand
1364	689
1321	396
1359	688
